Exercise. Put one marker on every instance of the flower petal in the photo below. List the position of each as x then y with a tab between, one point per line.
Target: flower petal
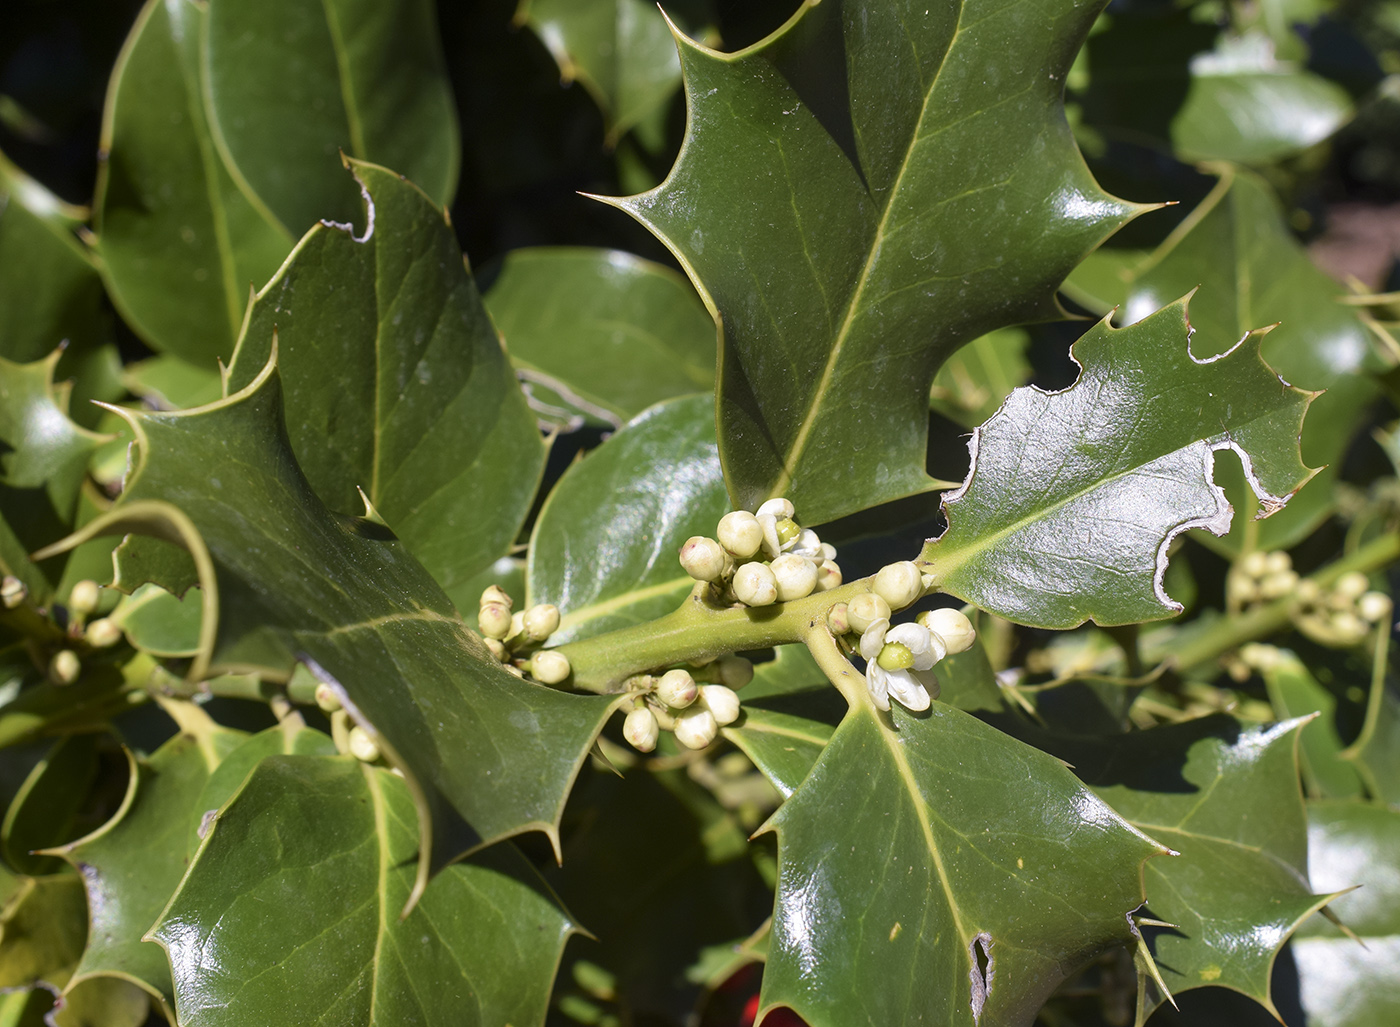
927	647
769	524
878	680
907	689
873	638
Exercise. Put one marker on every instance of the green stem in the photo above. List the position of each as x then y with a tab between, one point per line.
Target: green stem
1269	618
699	630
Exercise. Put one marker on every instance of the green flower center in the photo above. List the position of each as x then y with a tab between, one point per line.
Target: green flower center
895	656
787	530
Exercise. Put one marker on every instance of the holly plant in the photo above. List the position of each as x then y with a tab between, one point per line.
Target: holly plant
891	528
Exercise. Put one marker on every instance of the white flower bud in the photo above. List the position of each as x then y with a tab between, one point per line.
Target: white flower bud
1374	606
12	591
696	727
1277	562
755	585
326	698
1278	584
1242	588
677	689
641	730
828	576
838	620
1349	627
496	594
702	558
1308	592
103	633
865	609
494	620
362	746
517	624
899	584
541	621
1262	657
1254	564
778	509
740	533
795	575
550	666
497	647
1351	585
65	667
734	671
722	702
952	626
828	551
84	597
664	717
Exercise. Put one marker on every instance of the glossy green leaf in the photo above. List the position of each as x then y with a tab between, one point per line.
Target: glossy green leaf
1294	692
50	290
975	380
1343	982
936	848
620	50
315	855
43	463
600	332
1226	797
294	83
132	864
43	811
687	867
42	926
1252	273
181	245
858	195
396	383
790	712
159	623
297	582
1074	496
605	546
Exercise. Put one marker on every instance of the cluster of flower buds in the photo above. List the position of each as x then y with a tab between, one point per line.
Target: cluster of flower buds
356	741
694	704
1342	616
66	666
762	558
900	658
515	638
1260	577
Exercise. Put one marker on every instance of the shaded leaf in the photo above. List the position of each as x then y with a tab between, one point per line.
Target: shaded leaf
688	868
132	864
299	887
1226	797
43	811
620	50
396	383
159	623
50	291
972	383
170	383
293	83
1376	752
604	549
181	245
297	582
1344	983
618	332
42	927
858	195
102	1002
1252	272
940	849
1074	496
1294	692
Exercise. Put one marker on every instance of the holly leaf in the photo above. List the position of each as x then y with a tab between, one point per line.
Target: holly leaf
293	83
396	384
939	848
1294	692
43	811
180	243
42	925
159	623
316	853
1345	982
1239	885
1375	754
1253	272
283	579
1073	497
601	333
605	545
860	194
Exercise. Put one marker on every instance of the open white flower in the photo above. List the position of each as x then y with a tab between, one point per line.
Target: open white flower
780	531
899	662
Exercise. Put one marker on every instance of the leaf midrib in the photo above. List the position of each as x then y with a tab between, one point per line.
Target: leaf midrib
804	430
